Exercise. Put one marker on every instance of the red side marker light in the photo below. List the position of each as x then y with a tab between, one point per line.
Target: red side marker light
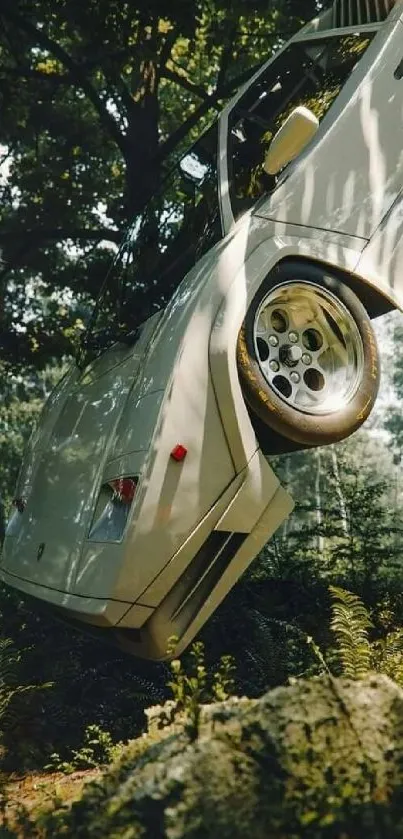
179	453
124	489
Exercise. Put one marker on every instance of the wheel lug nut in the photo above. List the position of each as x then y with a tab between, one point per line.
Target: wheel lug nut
295	377
274	366
293	337
273	341
306	358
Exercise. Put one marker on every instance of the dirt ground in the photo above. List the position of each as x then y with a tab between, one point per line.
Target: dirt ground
36	792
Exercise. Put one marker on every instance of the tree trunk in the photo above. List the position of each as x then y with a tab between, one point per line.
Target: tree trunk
287	481
142	139
318	503
339	492
320	759
2	522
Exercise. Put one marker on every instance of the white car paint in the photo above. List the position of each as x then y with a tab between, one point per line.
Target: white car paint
195	526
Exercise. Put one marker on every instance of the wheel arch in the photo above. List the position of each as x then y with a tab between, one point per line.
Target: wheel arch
375	302
242	435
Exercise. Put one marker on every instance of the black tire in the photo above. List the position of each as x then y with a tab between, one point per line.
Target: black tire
272	408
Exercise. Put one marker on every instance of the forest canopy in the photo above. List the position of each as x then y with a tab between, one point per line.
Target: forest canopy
96	101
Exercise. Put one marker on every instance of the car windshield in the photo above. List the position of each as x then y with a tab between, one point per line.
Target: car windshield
310	73
179	224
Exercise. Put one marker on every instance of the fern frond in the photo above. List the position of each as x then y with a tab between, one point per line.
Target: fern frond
350	624
14	697
387	656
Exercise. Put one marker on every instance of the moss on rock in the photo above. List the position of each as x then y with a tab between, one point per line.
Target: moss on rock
321	759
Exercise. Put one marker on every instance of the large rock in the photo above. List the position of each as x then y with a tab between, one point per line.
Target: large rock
320	758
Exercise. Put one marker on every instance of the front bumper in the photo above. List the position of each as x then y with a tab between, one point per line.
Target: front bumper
97	611
189	589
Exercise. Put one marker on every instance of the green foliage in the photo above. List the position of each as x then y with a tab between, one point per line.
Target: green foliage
15	698
22	397
346	529
387	655
194	685
92	684
97	749
350	624
393	419
223	683
91	123
357	654
189	689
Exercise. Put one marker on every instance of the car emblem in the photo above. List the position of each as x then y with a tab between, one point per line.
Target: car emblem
40	551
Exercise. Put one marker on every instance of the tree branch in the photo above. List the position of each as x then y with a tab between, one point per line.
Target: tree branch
167	46
210	102
182	81
59	52
23	72
62	233
226	55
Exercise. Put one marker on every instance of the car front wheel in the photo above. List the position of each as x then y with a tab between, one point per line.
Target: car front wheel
307	356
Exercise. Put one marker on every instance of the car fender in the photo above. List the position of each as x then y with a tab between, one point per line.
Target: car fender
381	262
239	293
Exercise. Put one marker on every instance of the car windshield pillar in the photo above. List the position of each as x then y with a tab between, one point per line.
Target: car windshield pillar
180	223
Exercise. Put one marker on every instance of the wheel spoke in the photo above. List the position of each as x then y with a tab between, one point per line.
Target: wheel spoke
264	325
295	392
308	333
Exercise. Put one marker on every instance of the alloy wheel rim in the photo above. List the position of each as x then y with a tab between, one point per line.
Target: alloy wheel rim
308	347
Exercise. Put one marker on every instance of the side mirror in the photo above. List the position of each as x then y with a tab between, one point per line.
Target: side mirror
294	134
193	169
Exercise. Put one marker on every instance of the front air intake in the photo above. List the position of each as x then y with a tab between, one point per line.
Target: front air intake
359	12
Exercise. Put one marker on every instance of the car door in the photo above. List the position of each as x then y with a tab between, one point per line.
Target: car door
351	173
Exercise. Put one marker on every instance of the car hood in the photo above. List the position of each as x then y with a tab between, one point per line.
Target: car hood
68	456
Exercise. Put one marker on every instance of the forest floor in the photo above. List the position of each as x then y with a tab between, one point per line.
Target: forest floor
35	793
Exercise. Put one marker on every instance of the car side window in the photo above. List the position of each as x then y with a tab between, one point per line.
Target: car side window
310	73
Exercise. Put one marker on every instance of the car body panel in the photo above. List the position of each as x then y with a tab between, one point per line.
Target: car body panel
195	525
382	259
279	508
240	289
97	611
223	480
60	504
208	571
172	496
350	188
176	569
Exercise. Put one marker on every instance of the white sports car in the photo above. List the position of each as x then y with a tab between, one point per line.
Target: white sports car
147	490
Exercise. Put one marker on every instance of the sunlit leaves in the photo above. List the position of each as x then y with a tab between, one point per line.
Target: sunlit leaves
88	107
